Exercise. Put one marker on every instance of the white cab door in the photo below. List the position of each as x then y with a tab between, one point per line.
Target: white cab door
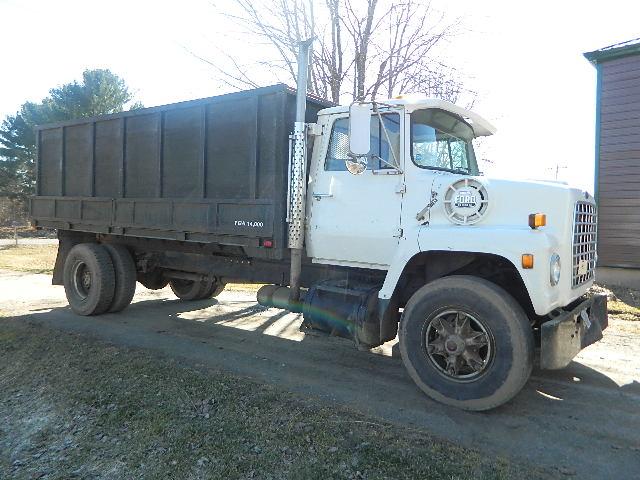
354	220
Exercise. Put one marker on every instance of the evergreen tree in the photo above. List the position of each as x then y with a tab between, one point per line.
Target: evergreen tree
100	92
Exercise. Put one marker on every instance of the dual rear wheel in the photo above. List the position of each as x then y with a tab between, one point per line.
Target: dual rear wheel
89	279
101	278
195	290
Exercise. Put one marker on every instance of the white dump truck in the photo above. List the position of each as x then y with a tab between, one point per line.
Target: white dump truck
371	219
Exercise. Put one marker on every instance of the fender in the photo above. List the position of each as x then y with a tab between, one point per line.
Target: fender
505	241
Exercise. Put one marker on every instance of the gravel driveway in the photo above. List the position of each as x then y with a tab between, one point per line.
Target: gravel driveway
583	421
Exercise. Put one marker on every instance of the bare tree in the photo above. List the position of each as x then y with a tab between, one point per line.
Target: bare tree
363	49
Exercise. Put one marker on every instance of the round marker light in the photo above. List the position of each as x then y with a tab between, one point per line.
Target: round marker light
554	269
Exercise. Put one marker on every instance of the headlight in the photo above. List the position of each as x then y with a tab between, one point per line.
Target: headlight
554	270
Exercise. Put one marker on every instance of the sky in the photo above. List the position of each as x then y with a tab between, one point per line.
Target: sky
524	58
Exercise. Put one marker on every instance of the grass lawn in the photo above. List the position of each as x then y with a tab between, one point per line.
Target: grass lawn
622	302
71	406
28	258
623	310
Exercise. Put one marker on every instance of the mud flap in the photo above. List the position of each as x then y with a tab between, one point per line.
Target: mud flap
66	241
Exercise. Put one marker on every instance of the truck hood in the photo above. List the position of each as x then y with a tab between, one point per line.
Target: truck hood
510	202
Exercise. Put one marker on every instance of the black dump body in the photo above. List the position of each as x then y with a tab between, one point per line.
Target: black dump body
212	170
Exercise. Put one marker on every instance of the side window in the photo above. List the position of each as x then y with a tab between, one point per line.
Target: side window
338	150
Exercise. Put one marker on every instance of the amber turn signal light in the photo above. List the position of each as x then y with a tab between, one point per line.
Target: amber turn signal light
537	220
527	260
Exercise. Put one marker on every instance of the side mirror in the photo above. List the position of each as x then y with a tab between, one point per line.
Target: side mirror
359	129
357	166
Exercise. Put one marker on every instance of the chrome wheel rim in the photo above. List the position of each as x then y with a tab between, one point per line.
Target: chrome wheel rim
82	279
459	345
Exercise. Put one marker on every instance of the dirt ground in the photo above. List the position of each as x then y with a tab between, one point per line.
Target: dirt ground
582	422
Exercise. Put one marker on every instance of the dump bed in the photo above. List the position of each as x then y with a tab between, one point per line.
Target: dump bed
212	170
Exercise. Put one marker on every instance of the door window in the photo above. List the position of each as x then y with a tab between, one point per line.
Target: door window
338	150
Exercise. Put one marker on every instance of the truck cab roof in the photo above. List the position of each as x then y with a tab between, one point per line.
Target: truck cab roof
481	126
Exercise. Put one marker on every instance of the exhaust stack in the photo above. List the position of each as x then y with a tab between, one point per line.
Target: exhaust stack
298	174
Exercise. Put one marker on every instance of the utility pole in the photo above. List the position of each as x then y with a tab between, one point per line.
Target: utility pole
557	169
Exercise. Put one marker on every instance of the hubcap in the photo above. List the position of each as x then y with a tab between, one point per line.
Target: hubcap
458	345
82	279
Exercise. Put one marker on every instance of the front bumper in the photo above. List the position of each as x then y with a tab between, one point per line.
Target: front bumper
569	331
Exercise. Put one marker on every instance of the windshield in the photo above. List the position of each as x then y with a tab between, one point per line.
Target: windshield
442	141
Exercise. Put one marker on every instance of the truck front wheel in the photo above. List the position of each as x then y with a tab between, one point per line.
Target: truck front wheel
466	342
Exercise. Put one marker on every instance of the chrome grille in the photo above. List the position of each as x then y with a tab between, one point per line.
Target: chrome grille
584	243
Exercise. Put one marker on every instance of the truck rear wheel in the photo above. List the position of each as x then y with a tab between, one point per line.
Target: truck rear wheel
125	271
211	290
89	279
153	280
194	290
466	342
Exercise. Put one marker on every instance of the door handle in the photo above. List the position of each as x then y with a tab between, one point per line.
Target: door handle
319	196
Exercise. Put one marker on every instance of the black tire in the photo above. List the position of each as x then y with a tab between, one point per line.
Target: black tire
125	270
210	290
187	289
497	317
89	279
153	280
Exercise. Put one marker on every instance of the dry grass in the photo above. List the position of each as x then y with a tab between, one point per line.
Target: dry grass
28	258
623	303
243	287
624	311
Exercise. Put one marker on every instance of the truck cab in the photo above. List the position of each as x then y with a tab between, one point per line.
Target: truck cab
416	207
